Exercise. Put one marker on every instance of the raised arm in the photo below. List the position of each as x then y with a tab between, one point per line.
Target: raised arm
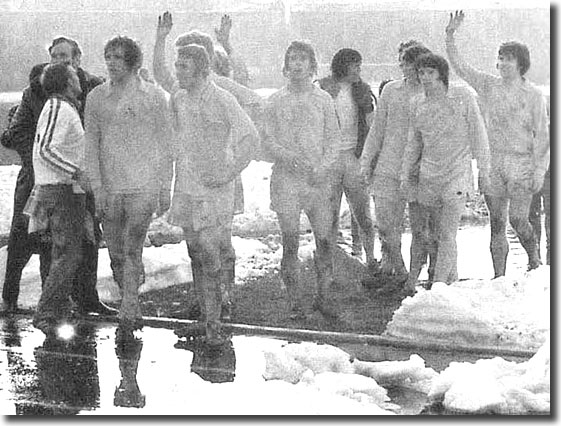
241	75
162	74
476	79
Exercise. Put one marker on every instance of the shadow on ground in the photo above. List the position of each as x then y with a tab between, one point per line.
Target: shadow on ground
263	301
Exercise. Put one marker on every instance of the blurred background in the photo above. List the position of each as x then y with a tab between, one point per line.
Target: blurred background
262	29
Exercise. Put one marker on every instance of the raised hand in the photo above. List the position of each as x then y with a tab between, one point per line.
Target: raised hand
223	33
165	24
456	20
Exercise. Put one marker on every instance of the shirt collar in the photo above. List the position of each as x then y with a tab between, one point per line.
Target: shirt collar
135	83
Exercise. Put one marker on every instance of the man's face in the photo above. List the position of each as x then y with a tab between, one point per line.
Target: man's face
407	68
299	66
115	63
508	66
62	53
186	72
74	83
353	72
429	77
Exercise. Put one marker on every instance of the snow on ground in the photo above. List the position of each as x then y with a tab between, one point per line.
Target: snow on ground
486	386
510	312
507	312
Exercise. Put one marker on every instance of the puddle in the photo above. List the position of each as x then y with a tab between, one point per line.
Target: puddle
155	372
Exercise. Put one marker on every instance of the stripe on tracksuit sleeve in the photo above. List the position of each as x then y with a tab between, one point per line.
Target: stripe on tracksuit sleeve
52	134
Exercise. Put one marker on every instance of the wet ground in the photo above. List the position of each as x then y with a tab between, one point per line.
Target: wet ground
93	369
151	372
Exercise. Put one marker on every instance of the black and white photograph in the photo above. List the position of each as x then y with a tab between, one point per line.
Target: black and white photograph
274	208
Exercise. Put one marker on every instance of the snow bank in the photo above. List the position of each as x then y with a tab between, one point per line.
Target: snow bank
505	312
496	386
330	369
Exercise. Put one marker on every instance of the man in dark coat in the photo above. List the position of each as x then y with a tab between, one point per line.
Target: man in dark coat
354	103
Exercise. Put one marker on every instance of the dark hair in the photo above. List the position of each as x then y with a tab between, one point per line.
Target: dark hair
341	61
382	85
411	53
76	51
196	37
131	50
303	46
437	62
519	51
55	78
405	44
199	55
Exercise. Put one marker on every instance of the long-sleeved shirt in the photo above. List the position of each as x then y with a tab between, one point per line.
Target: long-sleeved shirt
127	138
209	130
302	124
445	134
516	114
58	151
387	138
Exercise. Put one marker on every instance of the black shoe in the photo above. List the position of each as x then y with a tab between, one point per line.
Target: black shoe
99	308
195	312
297	313
226	312
326	308
128	398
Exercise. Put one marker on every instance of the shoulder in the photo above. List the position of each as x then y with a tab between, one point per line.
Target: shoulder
391	88
97	92
154	91
321	95
462	93
278	95
362	86
220	93
393	85
326	83
533	90
88	79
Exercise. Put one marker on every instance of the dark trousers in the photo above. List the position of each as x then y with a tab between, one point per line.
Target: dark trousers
21	246
65	212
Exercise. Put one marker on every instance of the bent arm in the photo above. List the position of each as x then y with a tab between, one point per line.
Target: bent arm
475	78
93	140
276	151
375	138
